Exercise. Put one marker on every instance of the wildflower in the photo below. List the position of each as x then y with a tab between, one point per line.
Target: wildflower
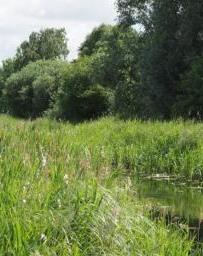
44	160
59	203
66	179
26	186
43	238
24	201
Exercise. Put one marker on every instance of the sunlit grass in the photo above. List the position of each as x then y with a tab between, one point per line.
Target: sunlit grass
67	190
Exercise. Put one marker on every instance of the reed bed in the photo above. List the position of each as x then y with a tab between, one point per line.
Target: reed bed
67	189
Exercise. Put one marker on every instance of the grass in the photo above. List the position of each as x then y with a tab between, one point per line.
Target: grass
67	190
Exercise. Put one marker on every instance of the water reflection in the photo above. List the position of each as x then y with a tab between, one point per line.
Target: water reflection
178	203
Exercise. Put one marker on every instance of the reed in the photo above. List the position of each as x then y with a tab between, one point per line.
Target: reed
67	189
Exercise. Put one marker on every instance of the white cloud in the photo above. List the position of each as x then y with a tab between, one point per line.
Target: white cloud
18	18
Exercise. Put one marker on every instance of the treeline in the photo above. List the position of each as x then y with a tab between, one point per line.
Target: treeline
149	65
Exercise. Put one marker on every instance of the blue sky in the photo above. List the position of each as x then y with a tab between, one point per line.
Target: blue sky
18	18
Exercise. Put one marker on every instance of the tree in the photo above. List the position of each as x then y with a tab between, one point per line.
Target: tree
8	68
132	12
81	97
112	50
45	45
189	102
48	44
172	36
31	92
95	40
162	58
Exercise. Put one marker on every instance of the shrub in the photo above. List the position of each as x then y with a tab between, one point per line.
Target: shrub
42	92
95	102
57	89
82	97
30	92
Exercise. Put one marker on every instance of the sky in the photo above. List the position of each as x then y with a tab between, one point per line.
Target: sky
18	18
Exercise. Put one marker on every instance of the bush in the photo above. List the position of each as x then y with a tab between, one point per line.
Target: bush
31	92
42	92
95	102
58	89
81	96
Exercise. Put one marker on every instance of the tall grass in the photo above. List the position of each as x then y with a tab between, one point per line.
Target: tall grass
67	190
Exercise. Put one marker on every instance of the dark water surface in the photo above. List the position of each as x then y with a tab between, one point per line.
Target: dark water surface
179	203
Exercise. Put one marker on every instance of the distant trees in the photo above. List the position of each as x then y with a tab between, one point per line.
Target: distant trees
51	86
114	51
47	44
95	40
189	101
149	65
172	38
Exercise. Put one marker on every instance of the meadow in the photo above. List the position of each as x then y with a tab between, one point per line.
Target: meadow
68	189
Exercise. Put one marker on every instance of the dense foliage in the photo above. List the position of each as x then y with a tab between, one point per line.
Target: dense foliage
44	45
172	40
147	66
82	97
189	102
31	91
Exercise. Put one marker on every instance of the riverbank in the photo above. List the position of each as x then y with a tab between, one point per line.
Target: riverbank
68	190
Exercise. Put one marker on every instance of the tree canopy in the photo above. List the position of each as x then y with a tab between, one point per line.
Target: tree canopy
172	37
149	65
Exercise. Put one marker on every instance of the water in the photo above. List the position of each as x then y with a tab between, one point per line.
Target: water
179	203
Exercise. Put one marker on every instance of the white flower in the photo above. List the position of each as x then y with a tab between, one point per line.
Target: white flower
59	203
24	201
66	179
44	160
43	238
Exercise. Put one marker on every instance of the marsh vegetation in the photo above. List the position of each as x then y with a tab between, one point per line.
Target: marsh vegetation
72	190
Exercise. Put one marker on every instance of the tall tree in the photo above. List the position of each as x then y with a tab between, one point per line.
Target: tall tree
114	53
112	48
48	44
172	40
95	40
134	12
44	45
